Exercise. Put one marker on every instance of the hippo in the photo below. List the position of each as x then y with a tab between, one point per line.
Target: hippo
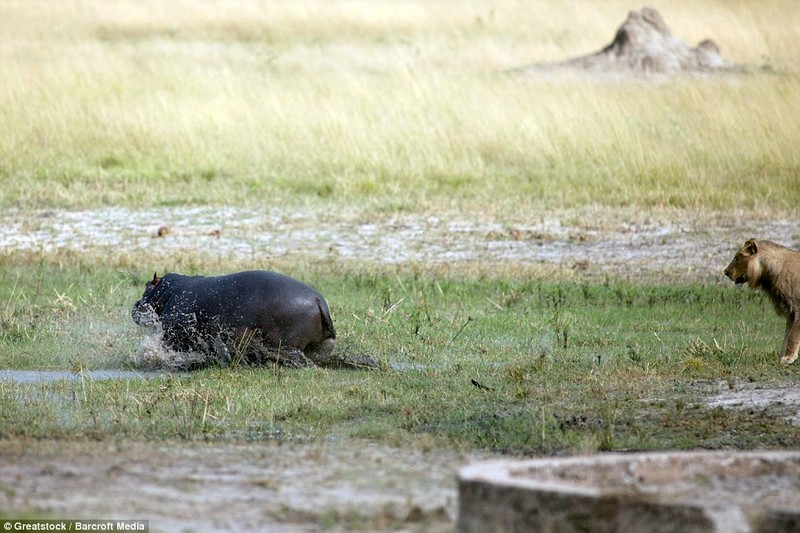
253	317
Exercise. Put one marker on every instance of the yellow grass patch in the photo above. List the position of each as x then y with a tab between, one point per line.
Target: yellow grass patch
398	105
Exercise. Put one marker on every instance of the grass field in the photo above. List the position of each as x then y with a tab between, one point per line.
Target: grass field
385	107
390	106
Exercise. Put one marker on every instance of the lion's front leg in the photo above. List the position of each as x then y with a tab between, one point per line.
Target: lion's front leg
791	342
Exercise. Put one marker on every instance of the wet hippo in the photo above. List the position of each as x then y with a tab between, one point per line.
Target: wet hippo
254	317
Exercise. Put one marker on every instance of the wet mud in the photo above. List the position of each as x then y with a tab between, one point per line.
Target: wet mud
782	400
234	487
601	242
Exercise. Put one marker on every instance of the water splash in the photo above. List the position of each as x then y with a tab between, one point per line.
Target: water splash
153	355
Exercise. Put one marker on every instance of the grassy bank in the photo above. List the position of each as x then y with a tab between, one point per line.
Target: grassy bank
510	364
396	107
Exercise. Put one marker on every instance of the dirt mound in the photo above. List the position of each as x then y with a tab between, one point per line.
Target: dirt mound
644	44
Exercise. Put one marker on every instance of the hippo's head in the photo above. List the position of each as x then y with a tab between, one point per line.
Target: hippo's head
147	310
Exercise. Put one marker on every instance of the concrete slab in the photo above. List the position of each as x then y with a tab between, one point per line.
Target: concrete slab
731	492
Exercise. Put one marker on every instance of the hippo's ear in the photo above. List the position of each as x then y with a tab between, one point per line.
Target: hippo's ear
155	282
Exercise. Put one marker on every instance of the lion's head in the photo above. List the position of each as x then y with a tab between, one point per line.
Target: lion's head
745	267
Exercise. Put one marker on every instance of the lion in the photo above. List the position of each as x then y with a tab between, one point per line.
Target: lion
775	270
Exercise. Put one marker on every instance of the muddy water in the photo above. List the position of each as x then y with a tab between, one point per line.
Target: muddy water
45	376
598	240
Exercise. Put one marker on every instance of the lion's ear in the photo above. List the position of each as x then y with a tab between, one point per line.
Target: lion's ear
751	247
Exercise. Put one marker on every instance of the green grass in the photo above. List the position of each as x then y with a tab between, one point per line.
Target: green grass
369	107
566	366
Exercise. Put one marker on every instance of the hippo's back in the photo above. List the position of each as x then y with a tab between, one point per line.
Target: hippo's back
250	289
259	283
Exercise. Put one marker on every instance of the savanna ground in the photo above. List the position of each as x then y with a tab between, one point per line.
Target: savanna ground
558	240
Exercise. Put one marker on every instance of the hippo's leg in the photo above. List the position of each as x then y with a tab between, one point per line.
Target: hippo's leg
175	339
221	349
292	357
260	352
322	353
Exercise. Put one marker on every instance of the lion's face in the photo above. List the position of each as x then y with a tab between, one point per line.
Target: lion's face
737	271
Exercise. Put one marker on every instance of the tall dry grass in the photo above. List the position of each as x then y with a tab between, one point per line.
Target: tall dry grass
394	105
